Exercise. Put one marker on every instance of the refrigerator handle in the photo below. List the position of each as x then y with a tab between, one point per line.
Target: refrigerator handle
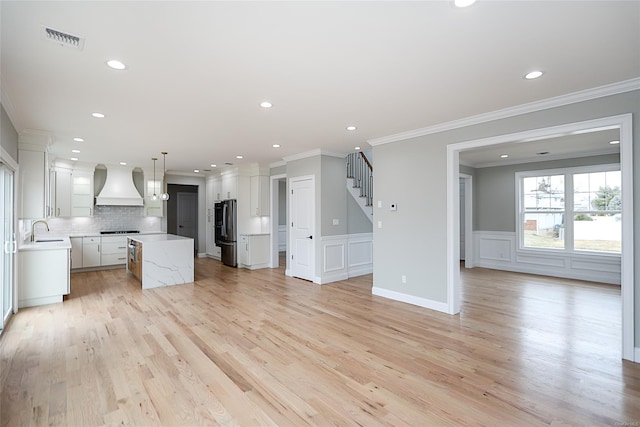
223	232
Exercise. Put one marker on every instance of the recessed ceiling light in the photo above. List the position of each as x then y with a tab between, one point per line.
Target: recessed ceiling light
533	75
351	128
266	104
239	157
123	163
213	165
463	3
196	170
75	151
356	148
276	145
614	142
78	139
504	156
74	159
98	115
115	64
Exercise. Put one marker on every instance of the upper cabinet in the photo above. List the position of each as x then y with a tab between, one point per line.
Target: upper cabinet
259	195
71	189
82	191
60	189
229	186
34	175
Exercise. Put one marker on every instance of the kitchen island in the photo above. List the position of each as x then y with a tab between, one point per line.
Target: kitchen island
160	259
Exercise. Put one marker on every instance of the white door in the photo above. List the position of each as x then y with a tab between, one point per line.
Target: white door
8	239
188	215
302	217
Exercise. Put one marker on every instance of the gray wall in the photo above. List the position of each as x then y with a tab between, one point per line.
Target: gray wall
334	196
8	135
357	221
494	192
419	225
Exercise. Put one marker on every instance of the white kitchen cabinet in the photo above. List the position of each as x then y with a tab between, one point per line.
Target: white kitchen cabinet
76	252
60	190
210	225
44	276
259	195
217	188
34	183
113	250
82	193
229	187
253	251
91	252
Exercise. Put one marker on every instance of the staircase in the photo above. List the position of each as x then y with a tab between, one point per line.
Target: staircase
360	182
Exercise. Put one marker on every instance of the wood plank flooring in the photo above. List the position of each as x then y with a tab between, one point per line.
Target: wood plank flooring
251	348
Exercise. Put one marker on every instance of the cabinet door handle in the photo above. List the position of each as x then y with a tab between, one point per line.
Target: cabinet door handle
98	248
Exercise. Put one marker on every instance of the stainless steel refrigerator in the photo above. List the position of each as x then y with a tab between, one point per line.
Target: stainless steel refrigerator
225	231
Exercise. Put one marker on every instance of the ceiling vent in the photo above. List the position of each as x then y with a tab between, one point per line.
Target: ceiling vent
63	39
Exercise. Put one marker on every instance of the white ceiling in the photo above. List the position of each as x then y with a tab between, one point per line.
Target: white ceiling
198	70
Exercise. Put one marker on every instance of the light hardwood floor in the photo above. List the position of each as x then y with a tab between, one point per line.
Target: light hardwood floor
248	348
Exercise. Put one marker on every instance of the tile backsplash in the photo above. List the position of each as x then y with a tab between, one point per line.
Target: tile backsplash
107	218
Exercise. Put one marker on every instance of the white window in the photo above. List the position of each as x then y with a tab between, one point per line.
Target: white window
573	209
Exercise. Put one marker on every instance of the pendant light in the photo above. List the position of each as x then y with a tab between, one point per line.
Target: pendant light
165	193
155	196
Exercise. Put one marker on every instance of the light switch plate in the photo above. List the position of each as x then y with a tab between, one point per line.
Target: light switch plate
336	222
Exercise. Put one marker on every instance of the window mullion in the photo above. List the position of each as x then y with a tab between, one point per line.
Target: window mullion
569	214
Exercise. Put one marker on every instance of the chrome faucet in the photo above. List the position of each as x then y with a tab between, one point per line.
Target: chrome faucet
33	228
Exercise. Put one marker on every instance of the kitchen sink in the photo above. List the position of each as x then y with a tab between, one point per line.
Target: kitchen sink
48	240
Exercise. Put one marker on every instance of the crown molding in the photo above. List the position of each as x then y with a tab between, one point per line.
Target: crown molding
6	102
314	153
34	140
545	104
277	164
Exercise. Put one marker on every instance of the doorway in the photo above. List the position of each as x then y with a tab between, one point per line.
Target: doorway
279	235
302	217
623	123
182	212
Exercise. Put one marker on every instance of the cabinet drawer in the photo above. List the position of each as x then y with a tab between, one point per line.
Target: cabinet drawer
114	248
113	259
90	240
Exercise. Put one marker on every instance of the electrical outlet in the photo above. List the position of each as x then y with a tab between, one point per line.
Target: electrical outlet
379	224
404	279
379	203
336	222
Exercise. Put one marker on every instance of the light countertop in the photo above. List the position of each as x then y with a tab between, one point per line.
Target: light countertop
61	242
145	238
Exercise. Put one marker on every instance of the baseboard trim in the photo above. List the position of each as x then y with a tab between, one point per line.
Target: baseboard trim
411	299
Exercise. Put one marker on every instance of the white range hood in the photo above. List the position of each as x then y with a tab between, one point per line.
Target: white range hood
119	189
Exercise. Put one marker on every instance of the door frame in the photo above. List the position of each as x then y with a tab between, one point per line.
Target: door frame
289	270
624	123
468	220
12	165
274	259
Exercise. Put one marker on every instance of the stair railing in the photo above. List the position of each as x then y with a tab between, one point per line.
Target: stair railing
361	171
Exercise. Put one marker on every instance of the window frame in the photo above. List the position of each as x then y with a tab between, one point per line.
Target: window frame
568	210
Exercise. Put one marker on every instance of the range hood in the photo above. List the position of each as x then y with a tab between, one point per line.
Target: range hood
119	189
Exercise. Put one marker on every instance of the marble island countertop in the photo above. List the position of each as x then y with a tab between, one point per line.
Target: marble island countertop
145	238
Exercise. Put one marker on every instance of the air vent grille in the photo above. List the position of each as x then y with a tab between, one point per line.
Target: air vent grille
63	39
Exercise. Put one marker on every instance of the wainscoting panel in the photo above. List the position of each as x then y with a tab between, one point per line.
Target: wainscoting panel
498	250
346	256
282	238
